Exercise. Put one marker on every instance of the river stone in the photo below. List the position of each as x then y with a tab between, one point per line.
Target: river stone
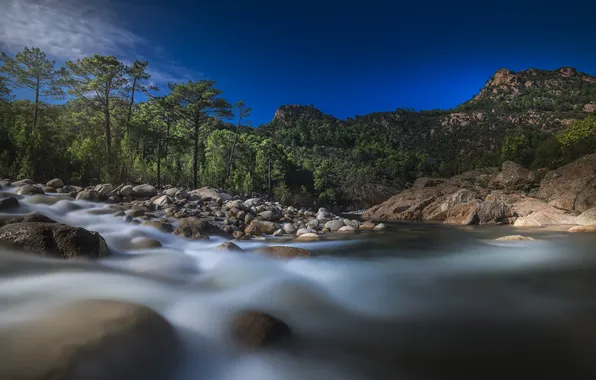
585	228
229	246
126	190
367	226
135	212
9	204
162	202
464	213
210	193
55	240
516	238
587	217
347	230
254	329
56	183
162	226
334	225
302	231
289	228
313	224
142	242
90	340
29	190
380	227
193	228
88	195
266	227
144	191
353	223
308	237
33	217
22	182
104	190
284	252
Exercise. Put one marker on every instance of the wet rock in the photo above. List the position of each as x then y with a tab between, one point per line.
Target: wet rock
308	237
126	190
47	189
54	239
193	229
162	226
289	228
254	329
367	226
265	227
239	235
100	211
279	232
302	231
88	195
253	229
9	204
144	191
585	228
229	246
347	230
380	227
33	217
334	225
90	340
29	190
56	183
284	252
515	238
135	212
142	242
352	223
513	177
313	224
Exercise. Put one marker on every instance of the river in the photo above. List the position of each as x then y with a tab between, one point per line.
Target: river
418	301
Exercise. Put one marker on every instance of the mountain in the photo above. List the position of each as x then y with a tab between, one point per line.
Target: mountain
373	155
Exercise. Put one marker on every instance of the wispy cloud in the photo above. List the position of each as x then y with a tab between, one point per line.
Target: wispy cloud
70	29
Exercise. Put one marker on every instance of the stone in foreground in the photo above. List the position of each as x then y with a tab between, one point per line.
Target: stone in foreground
90	340
588	228
54	239
254	329
308	237
516	238
284	252
229	246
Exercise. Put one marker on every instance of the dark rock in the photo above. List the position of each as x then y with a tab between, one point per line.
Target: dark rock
284	252
33	217
88	195
30	190
513	177
143	191
229	246
54	239
193	228
254	329
162	226
9	204
56	183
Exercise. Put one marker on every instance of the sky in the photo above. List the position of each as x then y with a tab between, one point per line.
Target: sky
346	57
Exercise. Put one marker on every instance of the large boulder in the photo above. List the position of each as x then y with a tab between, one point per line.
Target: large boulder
104	190
464	213
90	340
30	190
56	183
193	228
571	187
265	227
513	177
54	239
533	212
255	329
88	195
587	217
8	204
210	193
144	191
494	213
284	252
334	225
126	190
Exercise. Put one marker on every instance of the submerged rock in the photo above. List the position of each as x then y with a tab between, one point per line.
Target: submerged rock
229	246
254	329
9	204
193	228
515	238
284	252
588	228
90	340
308	237
30	190
54	239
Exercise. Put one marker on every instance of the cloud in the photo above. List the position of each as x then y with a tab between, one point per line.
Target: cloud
70	29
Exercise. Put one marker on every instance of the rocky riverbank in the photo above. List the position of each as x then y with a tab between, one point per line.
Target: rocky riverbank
514	195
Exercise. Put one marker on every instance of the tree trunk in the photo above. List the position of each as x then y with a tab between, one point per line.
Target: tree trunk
107	117
231	159
159	163
36	107
269	176
132	102
167	138
195	156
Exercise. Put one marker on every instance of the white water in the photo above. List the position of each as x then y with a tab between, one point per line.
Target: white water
334	304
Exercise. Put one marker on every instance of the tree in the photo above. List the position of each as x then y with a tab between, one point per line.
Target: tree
243	113
135	75
96	80
31	69
4	90
197	103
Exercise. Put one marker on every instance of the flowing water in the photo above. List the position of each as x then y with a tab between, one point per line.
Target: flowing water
417	301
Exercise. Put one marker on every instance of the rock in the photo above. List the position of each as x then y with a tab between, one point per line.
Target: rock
334	225
367	226
33	217
308	237
104	190
265	227
269	215
347	229
54	239
47	189
279	232
584	228
239	235
143	191
23	182
289	228
229	246
29	190
464	213
181	195
161	202
586	218
193	229
171	192
126	190
513	177
90	340
9	204
515	238
571	187
254	329
545	217
253	202
380	227
353	223
210	193
88	195
142	242
323	215
302	231
135	212
313	224
494	213
253	229
56	183
284	252
162	226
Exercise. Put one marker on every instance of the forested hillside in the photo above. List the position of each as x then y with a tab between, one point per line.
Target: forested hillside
96	119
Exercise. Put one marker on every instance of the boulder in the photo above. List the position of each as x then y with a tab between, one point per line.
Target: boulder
515	238
160	225
23	182
30	190
54	239
210	193
380	227
88	195
494	213
193	228
284	252
47	189
308	237
313	224
253	202
104	190
513	177
135	212
229	246
584	228
171	192
269	215
587	217
56	183
289	228
255	329
126	190
334	225
464	213
33	217
161	202
302	231
9	204
265	227
347	230
571	187
545	217
141	242
90	340
367	226
144	191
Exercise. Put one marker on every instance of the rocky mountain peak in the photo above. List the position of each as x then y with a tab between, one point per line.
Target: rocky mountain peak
504	77
292	112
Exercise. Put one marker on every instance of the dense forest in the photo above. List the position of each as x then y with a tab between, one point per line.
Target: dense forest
98	120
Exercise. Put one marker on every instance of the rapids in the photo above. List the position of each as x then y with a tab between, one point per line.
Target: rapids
418	301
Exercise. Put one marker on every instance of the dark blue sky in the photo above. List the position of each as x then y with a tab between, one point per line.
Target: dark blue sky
344	57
